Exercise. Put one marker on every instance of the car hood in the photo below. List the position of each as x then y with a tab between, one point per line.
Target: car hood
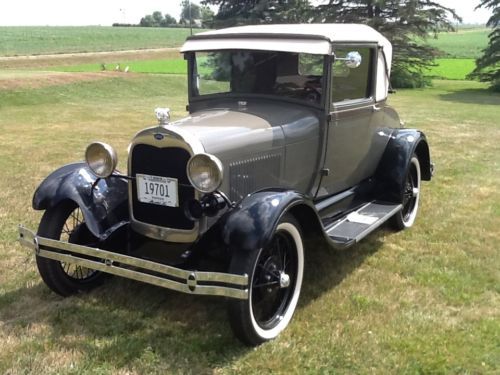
232	132
223	130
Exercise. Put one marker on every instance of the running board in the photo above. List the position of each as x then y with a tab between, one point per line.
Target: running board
358	224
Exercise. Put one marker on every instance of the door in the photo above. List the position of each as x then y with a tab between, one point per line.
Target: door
354	141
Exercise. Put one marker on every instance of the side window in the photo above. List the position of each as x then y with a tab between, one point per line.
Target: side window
352	83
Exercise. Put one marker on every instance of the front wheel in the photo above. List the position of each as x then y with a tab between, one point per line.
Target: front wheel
411	195
275	274
65	222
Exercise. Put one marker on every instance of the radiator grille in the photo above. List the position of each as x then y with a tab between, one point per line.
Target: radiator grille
247	176
166	162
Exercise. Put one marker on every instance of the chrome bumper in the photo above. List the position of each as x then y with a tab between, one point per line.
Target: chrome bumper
191	282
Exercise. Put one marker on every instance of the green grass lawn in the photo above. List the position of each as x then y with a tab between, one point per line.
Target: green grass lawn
38	40
445	69
164	66
426	300
452	68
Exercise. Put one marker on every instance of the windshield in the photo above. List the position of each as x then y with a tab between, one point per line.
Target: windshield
282	74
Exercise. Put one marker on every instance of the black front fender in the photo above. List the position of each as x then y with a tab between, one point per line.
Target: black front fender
104	206
251	224
391	172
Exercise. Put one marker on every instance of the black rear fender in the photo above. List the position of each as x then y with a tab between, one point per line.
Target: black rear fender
391	172
104	206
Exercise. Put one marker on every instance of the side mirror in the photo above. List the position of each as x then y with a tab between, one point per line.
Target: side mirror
352	60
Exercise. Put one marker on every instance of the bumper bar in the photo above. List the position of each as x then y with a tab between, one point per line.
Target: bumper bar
191	282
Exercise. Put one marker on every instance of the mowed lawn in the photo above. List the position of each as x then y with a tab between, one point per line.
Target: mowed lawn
421	301
162	66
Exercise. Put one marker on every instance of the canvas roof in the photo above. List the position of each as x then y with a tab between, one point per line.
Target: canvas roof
300	38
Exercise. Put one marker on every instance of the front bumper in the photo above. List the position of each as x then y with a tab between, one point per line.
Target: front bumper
186	281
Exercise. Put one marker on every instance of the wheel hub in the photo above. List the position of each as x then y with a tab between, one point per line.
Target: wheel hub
284	280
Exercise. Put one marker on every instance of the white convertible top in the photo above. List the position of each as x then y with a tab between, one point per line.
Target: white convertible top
319	39
302	38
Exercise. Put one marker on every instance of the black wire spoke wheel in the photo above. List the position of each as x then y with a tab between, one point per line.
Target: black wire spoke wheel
65	222
72	229
276	274
411	197
276	266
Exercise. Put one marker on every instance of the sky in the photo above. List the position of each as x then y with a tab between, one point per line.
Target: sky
106	12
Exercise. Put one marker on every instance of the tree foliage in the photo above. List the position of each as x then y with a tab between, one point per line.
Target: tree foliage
189	11
488	65
157	20
244	12
406	23
207	16
199	15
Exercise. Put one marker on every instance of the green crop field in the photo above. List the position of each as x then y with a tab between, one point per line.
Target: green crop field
49	40
460	49
464	43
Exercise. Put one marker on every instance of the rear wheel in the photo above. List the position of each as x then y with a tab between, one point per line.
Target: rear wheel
411	196
275	274
65	222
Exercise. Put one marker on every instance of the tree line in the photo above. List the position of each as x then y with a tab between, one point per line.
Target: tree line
191	15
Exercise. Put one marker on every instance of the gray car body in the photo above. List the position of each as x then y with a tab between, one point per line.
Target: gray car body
272	143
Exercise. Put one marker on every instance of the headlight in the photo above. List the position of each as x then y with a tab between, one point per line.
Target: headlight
101	159
205	172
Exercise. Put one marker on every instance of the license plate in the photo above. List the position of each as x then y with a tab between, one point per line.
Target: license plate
157	190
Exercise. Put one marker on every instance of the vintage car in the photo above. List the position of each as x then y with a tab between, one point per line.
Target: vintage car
289	136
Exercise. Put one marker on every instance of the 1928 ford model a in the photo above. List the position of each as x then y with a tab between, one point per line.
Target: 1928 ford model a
288	135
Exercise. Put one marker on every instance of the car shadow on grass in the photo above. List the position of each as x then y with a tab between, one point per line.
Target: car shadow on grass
326	268
472	96
127	324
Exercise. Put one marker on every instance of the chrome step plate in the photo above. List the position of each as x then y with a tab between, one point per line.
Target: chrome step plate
358	224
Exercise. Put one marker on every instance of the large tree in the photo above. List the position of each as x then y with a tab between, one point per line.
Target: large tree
406	23
488	65
244	12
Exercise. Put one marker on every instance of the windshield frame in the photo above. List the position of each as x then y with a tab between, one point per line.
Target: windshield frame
196	98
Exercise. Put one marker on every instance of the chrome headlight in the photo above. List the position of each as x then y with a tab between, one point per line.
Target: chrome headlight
101	159
205	172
